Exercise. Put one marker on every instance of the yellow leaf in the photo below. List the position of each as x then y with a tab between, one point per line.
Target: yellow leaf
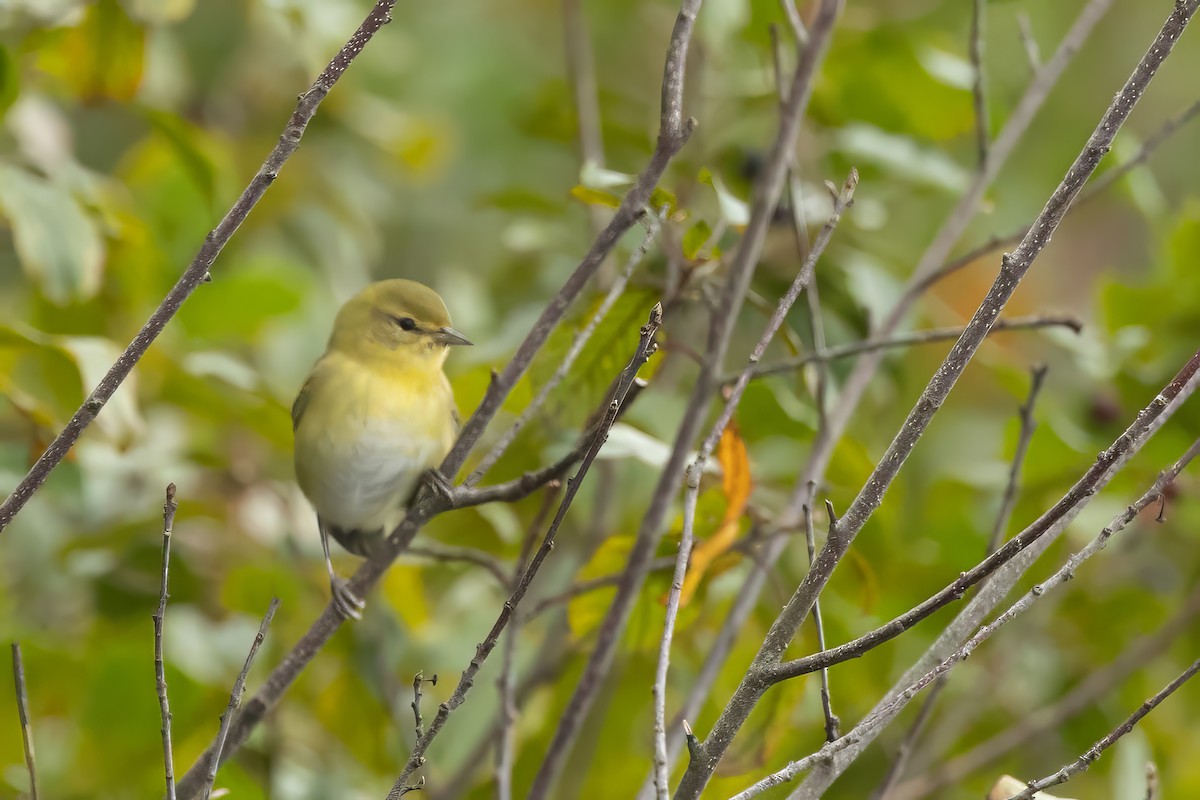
736	486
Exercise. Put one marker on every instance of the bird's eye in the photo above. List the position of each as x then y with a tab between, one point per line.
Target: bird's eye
406	323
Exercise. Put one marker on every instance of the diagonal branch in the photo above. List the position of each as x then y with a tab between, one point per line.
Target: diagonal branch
197	271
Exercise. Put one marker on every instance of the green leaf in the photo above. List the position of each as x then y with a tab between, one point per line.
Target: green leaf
695	238
57	243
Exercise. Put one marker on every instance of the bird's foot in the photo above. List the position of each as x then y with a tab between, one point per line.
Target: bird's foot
439	486
348	604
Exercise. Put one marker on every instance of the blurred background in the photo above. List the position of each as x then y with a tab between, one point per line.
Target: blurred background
450	153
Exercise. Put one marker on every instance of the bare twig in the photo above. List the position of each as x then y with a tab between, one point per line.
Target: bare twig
691	496
928	336
794	21
586	586
1096	750
18	668
235	699
763	203
1013	269
1037	377
1151	781
436	551
1032	53
581	72
1051	717
810	543
979	98
1093	190
419	679
616	397
197	271
581	339
160	673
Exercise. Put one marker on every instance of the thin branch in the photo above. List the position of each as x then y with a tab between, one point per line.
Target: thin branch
235	699
436	551
419	679
1028	424
1051	717
810	543
1147	422
505	739
197	271
1032	52
795	22
1089	757
1092	191
978	96
160	674
890	707
764	200
616	398
928	336
582	337
581	73
18	668
590	585
1013	269
1151	781
690	498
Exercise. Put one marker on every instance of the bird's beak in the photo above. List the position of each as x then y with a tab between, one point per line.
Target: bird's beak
450	336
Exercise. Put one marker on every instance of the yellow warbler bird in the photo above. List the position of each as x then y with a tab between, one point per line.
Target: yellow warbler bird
374	416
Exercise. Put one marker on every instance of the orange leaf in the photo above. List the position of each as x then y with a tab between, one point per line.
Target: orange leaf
736	486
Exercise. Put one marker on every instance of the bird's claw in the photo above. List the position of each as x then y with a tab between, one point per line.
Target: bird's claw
348	604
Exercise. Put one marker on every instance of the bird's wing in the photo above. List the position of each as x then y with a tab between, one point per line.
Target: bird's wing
301	403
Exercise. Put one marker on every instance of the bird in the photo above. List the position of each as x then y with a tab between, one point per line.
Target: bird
374	417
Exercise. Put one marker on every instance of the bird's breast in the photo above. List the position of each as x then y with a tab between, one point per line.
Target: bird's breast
365	439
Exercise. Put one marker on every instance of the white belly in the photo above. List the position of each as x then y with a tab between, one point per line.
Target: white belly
365	484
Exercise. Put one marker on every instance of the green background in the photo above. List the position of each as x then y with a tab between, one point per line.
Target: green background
448	154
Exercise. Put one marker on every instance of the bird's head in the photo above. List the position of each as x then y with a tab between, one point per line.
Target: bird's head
395	319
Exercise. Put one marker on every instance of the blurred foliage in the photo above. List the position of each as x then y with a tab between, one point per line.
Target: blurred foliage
448	154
